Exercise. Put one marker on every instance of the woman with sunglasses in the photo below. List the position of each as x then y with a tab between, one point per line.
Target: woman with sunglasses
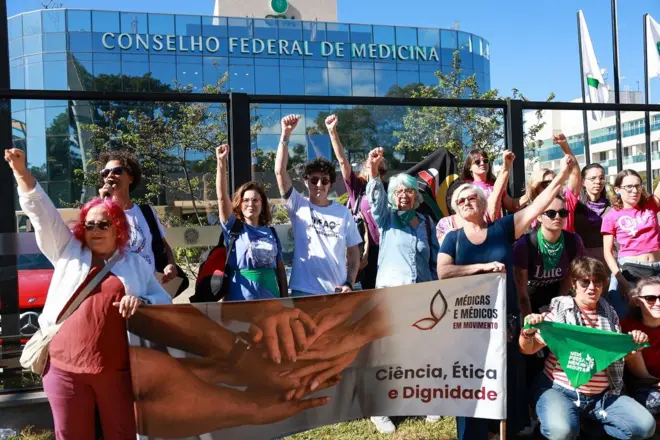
480	247
356	184
559	406
644	316
89	364
633	224
409	247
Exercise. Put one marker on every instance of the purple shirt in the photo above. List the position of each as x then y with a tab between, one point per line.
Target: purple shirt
355	187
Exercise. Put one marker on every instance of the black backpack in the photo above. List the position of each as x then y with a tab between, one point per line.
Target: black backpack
158	248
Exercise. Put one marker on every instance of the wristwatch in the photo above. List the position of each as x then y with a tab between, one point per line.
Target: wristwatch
239	347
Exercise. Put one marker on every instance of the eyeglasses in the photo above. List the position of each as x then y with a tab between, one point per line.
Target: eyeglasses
469	199
551	213
103	225
117	171
584	283
629	188
596	179
315	180
481	161
650	299
255	201
406	191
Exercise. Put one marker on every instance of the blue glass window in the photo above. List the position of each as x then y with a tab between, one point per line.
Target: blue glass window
361	33
36	122
448	39
161	24
163	72
447	56
214	27
81	41
134	23
36	149
32	23
267	80
79	21
290	29
477	62
82	77
15	27
316	81
190	75
406	36
134	69
339	81
338	32
57	121
428	78
313	31
265	29
17	77
54	42
385	80
405	78
188	25
107	72
59	166
214	69
32	44
363	82
428	37
384	35
53	20
241	79
240	27
103	21
292	81
465	41
16	48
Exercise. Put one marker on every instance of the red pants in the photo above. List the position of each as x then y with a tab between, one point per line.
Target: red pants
73	398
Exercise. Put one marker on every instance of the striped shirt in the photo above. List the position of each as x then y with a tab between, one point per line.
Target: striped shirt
598	383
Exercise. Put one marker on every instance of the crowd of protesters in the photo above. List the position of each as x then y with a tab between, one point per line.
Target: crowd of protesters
573	251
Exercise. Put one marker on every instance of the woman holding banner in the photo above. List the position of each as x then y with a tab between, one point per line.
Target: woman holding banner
95	287
481	248
559	406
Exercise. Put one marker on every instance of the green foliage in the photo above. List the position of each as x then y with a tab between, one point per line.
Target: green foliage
279	215
425	129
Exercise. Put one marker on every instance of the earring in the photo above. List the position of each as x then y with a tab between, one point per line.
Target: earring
618	194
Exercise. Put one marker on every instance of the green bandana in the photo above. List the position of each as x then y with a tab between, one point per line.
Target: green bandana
551	252
584	351
405	217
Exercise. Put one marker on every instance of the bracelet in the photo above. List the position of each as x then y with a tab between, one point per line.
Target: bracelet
239	347
348	284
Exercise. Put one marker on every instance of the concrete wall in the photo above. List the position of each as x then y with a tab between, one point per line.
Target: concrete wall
321	10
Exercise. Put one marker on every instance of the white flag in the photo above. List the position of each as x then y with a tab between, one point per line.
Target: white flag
653	46
596	86
216	13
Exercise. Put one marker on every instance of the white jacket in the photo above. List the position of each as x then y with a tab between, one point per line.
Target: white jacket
72	261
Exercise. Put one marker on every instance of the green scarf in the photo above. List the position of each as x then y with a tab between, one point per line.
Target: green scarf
551	252
584	351
405	217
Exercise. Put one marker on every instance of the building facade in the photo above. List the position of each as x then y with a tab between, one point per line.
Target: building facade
66	49
310	10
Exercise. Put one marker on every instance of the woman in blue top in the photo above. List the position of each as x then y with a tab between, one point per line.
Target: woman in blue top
255	261
408	245
480	248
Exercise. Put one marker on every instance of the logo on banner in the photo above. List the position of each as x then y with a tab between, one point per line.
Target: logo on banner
438	311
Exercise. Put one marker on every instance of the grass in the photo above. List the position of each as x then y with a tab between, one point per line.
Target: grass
408	428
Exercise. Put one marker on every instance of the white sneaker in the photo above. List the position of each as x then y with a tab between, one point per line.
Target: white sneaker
384	425
433	419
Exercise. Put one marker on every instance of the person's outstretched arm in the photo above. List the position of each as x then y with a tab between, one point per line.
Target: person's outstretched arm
494	207
289	124
344	164
221	184
575	179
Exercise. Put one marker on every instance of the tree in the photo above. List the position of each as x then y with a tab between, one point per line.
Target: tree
459	130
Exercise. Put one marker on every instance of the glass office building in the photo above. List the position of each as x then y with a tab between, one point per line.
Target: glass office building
69	49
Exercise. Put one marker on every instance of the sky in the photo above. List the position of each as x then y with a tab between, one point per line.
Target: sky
533	44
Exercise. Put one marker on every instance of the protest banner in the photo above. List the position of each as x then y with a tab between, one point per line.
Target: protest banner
434	348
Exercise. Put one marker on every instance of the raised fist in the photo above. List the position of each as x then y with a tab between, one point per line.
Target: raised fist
16	160
331	123
222	152
289	123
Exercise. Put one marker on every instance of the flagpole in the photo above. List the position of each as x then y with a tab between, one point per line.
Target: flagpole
647	116
615	55
585	121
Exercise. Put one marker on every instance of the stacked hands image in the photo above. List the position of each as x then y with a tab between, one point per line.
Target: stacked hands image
260	377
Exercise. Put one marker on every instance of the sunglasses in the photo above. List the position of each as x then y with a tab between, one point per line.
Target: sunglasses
470	199
315	180
481	161
117	171
650	299
586	282
103	225
551	213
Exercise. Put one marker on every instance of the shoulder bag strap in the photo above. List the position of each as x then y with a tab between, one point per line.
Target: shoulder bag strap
234	232
89	287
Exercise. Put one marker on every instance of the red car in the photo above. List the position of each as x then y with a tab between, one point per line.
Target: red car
34	275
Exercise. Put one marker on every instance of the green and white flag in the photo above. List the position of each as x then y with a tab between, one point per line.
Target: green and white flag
584	351
596	87
653	46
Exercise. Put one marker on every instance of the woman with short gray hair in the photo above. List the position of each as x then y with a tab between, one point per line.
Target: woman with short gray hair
408	245
480	247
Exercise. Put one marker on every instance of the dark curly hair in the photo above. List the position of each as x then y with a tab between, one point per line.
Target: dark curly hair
128	161
320	165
